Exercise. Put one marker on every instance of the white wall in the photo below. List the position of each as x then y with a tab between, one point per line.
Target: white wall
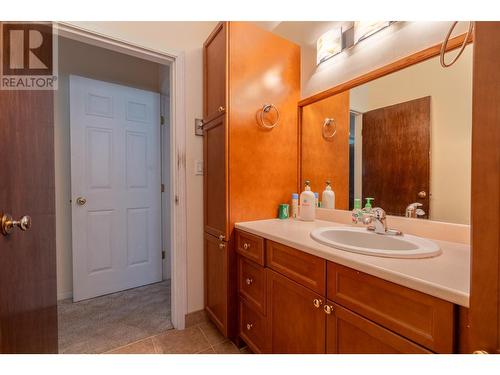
187	37
85	60
451	125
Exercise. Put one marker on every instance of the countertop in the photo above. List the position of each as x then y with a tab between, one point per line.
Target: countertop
446	276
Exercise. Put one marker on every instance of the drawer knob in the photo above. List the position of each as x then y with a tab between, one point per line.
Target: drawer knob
246	246
317	303
222	245
249	281
222	237
328	309
249	326
221	109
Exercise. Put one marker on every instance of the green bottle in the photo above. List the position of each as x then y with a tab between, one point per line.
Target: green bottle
368	205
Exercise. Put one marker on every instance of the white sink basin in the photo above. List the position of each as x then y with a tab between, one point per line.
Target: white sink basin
360	240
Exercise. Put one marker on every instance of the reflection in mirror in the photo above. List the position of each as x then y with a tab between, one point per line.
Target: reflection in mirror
403	139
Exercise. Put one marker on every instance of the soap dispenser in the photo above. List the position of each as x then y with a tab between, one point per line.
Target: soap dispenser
368	205
307	206
328	198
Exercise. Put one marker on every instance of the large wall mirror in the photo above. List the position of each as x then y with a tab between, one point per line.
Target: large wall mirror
402	138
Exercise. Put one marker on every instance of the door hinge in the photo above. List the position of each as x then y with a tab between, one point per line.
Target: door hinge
162	188
162	120
163	254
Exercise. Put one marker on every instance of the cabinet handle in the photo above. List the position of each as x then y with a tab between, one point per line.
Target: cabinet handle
249	326
249	281
246	246
221	109
222	245
328	309
317	303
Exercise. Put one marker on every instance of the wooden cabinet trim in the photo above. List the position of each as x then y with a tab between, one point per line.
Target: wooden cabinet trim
424	319
306	269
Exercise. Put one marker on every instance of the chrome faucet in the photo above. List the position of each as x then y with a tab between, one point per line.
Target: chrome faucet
377	218
413	210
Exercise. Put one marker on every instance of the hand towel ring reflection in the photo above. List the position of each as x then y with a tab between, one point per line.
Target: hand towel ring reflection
265	109
444	64
329	122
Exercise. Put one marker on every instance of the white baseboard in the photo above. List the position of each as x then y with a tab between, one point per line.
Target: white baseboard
64	295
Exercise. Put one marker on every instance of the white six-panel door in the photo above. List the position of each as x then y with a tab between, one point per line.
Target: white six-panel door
115	167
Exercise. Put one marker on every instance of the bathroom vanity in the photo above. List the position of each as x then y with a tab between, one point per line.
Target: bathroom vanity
300	296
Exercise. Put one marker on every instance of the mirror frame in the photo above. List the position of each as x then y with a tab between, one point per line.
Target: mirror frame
392	67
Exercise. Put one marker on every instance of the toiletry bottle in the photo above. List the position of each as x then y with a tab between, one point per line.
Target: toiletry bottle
307	201
295	206
316	199
368	205
357	212
328	198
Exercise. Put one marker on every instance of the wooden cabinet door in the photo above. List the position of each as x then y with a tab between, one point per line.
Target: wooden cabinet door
216	271
215	177
350	333
295	324
214	74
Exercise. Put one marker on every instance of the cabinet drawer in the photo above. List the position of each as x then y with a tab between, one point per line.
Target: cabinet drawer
253	328
350	333
250	246
252	283
306	269
424	319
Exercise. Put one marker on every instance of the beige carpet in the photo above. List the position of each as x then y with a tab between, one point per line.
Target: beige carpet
104	323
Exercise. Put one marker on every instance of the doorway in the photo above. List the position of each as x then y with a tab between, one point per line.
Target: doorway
113	285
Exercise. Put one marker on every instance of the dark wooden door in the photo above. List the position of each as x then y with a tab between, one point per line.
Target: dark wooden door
28	298
485	190
295	324
349	333
396	146
215	178
216	276
214	77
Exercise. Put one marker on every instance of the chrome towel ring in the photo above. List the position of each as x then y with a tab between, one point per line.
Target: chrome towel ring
329	124
444	64
266	108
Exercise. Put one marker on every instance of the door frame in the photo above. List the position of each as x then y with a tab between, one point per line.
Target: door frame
177	128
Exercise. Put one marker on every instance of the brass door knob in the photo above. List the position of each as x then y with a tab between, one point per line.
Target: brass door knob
81	201
7	224
317	303
222	245
328	309
246	246
222	237
422	194
249	281
249	326
221	109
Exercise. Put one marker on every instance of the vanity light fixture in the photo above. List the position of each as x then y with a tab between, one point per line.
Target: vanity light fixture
364	29
329	44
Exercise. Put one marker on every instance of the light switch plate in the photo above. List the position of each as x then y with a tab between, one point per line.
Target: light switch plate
198	167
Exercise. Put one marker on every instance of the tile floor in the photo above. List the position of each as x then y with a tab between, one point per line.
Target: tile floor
200	337
101	324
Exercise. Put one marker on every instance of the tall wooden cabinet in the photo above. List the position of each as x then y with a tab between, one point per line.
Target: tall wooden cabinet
249	169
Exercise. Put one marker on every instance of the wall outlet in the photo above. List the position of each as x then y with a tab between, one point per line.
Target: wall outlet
198	167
